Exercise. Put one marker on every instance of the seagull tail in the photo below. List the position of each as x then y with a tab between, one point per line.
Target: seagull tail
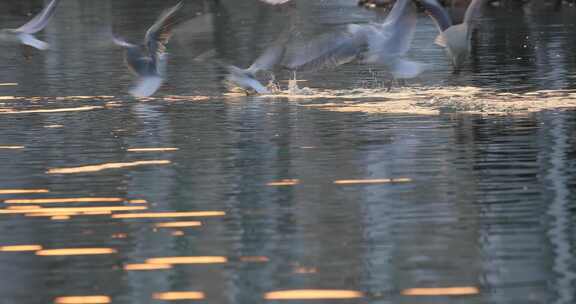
30	40
146	86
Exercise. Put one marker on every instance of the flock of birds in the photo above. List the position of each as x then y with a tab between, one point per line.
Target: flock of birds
384	44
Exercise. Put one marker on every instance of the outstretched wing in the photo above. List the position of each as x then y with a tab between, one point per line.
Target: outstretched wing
473	11
327	51
40	21
160	32
438	13
275	2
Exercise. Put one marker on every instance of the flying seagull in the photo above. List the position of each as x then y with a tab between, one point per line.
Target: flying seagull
25	34
148	61
271	57
376	43
456	39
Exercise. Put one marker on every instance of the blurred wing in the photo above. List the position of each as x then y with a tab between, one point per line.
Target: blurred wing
272	55
40	21
406	69
393	39
438	13
275	2
146	86
328	51
243	79
121	42
473	11
160	32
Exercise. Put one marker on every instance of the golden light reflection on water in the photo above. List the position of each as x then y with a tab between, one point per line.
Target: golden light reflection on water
152	149
146	266
372	181
60	110
169	214
73	210
8	84
20	248
11	147
23	191
107	166
445	291
178	224
284	182
96	299
188	260
138	201
60	217
75	251
64	200
179	295
311	294
25	207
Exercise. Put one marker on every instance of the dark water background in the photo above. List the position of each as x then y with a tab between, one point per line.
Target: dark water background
491	203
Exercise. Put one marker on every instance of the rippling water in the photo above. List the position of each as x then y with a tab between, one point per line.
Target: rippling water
386	208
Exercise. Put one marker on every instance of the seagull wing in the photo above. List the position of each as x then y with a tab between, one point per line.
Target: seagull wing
473	11
394	37
40	21
160	32
121	42
328	50
275	2
438	13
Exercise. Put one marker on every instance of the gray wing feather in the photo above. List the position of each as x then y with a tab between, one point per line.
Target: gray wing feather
327	51
160	32
40	21
393	38
473	11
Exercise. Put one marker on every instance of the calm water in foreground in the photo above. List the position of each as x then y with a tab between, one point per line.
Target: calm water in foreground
481	207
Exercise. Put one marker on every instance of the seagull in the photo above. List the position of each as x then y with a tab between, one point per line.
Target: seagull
24	35
375	43
271	57
456	39
148	61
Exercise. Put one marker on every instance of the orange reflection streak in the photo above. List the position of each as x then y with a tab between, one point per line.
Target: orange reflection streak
254	259
83	300
169	214
146	266
372	181
96	168
65	200
75	251
177	233
20	248
152	149
179	295
73	210
189	260
23	191
308	294
11	147
138	201
79	109
60	217
284	182
179	224
84	97
25	207
447	291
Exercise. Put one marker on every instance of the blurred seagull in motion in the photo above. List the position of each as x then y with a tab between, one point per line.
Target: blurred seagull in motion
271	57
148	61
456	39
384	44
24	35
